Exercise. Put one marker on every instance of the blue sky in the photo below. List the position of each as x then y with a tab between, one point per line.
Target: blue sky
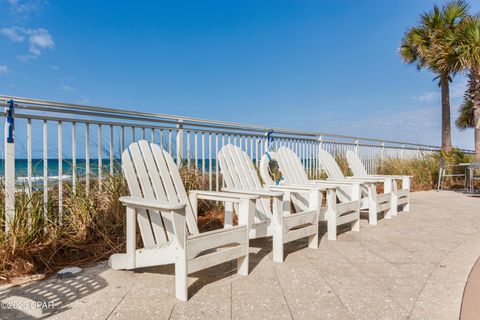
329	66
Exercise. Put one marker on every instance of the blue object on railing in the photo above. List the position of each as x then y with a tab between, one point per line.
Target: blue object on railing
10	121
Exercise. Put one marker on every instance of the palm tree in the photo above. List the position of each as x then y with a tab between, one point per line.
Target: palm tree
420	46
469	59
465	116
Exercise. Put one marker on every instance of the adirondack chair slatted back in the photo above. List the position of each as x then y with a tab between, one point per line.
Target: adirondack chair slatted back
239	173
294	173
333	171
151	173
356	165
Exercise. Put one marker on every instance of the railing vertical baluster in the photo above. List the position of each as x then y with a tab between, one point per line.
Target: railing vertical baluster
143	133
188	149
153	135
74	158
251	148
216	164
122	139
60	173
180	143
210	181
29	156
203	153
111	150
257	161
162	139
170	146
133	134
99	155
87	157
45	169
196	150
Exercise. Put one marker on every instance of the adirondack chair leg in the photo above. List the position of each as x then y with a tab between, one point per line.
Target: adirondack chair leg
406	185
389	187
228	223
356	194
131	237
315	203
245	216
331	215
181	268
372	204
181	288
278	230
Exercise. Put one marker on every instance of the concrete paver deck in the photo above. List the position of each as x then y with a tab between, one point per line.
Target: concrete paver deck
414	266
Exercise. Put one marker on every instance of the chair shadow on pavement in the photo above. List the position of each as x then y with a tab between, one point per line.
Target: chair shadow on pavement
44	298
259	250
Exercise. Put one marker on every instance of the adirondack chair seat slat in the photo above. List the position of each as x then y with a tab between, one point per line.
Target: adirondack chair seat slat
402	193
295	177
241	176
167	219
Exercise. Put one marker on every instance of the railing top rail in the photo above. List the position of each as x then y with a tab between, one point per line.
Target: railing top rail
38	104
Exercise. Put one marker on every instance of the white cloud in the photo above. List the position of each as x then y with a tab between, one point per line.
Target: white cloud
457	90
428	96
67	88
13	34
37	39
3	70
25	7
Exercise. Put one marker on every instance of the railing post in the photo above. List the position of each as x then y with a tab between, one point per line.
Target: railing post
180	142
9	165
356	147
320	140
402	153
382	155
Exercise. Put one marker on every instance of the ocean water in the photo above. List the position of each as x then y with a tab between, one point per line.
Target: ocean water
21	167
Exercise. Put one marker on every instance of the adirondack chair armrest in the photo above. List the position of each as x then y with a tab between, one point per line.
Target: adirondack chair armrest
258	193
340	183
301	188
222	196
350	180
390	176
370	178
144	203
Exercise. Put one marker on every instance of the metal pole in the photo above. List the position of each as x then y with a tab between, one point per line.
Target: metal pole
180	143
9	165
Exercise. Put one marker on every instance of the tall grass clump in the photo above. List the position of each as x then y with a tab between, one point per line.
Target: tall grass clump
90	228
425	168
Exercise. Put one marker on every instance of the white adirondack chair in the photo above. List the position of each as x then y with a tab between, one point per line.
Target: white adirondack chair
293	173
167	219
370	199
241	176
359	171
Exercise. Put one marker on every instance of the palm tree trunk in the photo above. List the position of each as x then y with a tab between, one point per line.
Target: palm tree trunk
474	93
446	127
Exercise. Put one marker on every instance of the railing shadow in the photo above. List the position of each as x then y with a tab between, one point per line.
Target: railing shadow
43	299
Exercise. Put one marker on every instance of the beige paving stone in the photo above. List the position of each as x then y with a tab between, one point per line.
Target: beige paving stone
413	266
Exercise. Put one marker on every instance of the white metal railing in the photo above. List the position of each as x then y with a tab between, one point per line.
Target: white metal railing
98	135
